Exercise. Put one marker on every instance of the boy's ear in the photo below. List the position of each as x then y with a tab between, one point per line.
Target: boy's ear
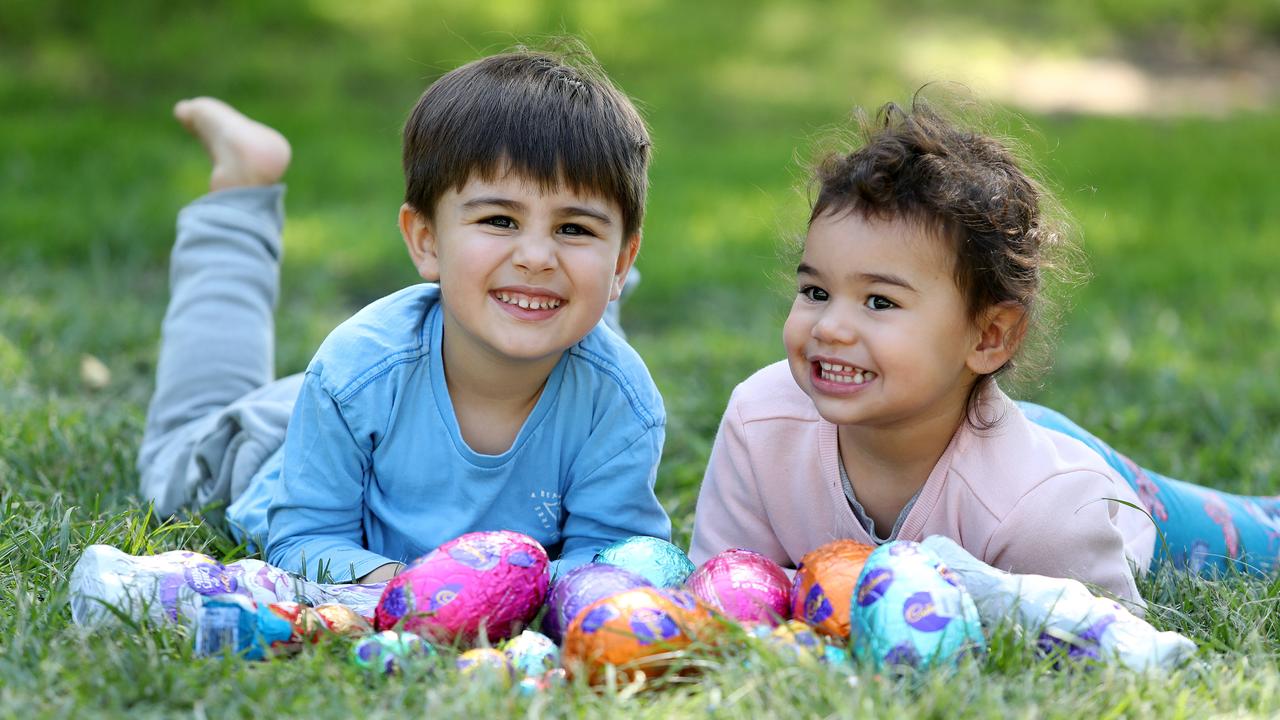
1000	330
420	239
626	258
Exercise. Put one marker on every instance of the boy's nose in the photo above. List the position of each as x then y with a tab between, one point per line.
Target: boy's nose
534	254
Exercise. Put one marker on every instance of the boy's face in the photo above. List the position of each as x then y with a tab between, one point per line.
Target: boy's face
525	273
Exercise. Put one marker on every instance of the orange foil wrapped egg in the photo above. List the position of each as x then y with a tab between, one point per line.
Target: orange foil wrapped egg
822	591
630	628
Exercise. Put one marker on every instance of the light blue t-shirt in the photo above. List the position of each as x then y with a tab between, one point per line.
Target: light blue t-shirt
374	468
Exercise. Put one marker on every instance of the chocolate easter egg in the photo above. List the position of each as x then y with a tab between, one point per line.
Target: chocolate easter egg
656	560
486	664
911	610
482	583
823	586
581	586
532	654
342	620
389	651
307	625
744	586
633	630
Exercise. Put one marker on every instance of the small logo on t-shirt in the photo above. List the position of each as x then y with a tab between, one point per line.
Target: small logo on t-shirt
546	503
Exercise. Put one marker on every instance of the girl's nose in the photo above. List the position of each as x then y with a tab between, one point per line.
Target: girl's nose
835	327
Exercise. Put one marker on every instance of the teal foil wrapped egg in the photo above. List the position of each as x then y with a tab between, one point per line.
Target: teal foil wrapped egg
532	654
909	609
389	651
654	559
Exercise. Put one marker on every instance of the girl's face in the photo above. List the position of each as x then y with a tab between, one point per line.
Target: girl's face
879	335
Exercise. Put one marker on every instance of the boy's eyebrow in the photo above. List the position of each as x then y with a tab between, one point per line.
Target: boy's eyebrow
587	212
507	203
516	205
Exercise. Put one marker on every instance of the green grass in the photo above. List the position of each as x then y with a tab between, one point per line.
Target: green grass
1169	352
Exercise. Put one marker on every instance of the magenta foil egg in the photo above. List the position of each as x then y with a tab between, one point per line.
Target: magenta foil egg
743	585
580	587
481	583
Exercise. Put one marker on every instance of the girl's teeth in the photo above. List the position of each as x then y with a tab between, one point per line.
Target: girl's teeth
845	374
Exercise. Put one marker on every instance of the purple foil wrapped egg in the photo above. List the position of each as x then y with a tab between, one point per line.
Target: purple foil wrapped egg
657	560
482	583
580	587
743	585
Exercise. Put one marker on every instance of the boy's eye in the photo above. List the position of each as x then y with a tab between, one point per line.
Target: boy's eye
574	229
813	293
880	302
500	221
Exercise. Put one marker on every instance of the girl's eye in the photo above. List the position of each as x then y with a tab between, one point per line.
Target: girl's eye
813	293
500	221
880	302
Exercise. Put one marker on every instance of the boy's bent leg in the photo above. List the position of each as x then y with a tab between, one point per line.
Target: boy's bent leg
217	340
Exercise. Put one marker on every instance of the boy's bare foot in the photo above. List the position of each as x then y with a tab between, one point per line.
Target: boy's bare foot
244	151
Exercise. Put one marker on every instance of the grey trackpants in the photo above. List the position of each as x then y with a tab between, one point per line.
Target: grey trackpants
217	413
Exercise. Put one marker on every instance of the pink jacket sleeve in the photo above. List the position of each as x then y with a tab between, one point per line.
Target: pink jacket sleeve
730	513
1064	528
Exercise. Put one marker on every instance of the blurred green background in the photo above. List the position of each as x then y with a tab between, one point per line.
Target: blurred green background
1169	178
1155	121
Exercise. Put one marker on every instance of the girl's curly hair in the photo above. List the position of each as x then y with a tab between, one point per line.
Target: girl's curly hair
969	189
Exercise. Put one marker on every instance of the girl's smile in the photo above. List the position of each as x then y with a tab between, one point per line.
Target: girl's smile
835	377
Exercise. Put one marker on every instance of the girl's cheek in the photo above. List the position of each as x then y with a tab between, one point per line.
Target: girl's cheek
795	332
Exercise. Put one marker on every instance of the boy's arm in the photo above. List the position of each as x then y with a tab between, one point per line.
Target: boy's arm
730	513
315	523
615	500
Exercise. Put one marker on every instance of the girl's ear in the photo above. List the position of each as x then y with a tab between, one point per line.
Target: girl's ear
420	239
1000	330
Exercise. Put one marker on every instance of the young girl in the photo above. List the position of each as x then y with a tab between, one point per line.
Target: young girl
920	277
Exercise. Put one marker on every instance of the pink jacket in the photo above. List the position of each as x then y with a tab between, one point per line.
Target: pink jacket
1019	497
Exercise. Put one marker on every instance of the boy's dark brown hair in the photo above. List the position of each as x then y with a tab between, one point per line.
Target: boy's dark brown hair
550	117
968	189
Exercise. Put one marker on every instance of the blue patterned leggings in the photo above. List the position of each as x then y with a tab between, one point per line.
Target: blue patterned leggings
1202	530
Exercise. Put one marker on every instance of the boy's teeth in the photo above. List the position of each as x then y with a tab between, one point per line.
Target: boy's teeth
528	303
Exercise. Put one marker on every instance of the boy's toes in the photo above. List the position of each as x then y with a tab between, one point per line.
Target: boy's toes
243	151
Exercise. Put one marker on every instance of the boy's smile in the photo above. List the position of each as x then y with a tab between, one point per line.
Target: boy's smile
525	271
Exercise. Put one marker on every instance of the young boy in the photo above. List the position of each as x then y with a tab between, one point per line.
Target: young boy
495	399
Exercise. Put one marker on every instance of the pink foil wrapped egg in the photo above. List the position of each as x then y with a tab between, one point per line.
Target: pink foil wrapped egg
743	585
483	582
